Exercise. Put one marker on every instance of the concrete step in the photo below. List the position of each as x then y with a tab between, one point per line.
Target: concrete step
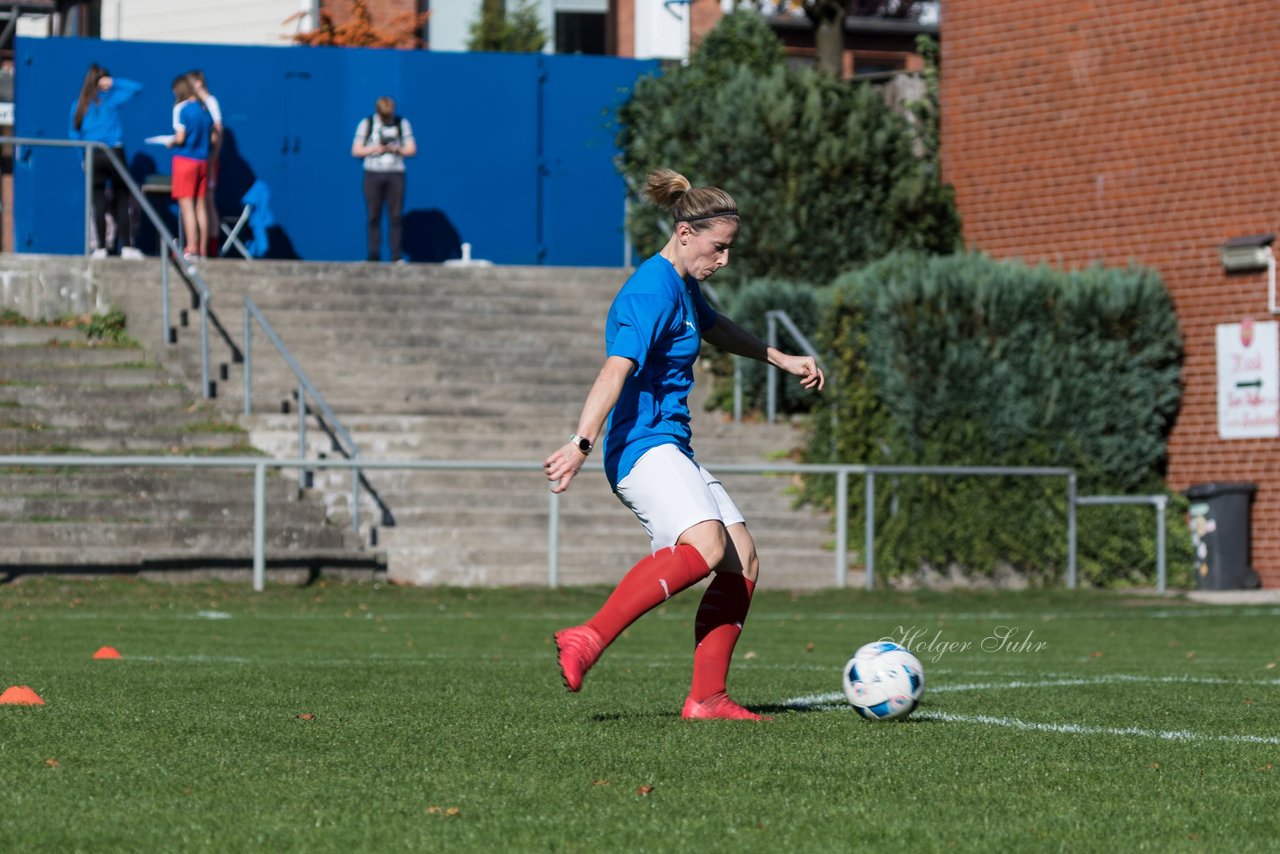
84	376
119	508
462	302
476	336
232	563
476	566
66	356
162	536
709	428
145	484
26	336
96	442
478	313
145	415
143	399
523	529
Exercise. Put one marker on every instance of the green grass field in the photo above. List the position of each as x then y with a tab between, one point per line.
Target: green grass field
373	718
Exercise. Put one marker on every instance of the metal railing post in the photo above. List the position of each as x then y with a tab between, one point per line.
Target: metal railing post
870	532
204	345
302	432
88	203
248	361
260	527
553	540
842	528
1161	570
771	386
165	328
355	495
737	389
1071	531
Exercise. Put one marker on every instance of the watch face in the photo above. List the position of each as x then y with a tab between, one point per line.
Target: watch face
584	445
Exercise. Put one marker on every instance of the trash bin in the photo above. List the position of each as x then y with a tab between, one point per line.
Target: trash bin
1222	536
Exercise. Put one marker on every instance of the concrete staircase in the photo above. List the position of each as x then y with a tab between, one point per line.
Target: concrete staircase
425	362
61	395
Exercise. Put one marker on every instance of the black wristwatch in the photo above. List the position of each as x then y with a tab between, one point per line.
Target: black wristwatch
583	443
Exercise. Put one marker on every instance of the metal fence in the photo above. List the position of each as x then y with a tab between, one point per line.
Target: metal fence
259	466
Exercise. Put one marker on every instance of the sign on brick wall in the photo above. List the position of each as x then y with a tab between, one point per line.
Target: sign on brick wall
1248	380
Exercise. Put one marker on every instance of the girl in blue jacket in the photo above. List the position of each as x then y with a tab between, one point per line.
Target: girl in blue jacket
95	116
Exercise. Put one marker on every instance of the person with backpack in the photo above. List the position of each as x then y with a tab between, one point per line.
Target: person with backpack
384	140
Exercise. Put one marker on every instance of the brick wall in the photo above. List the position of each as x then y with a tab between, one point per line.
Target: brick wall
1077	133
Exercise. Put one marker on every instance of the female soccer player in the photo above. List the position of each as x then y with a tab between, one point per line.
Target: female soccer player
654	331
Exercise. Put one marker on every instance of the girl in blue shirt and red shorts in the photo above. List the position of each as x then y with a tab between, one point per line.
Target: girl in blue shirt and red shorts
639	407
192	130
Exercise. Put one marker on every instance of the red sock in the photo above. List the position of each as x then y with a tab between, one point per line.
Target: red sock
649	583
716	630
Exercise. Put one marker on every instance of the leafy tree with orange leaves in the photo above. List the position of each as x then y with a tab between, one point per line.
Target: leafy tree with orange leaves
402	31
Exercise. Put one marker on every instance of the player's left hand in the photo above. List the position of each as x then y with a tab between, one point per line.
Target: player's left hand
806	368
562	466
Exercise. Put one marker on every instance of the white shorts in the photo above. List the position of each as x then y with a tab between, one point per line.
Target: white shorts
670	493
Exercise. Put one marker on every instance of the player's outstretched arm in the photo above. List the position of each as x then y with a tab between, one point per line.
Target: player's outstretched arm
733	339
563	465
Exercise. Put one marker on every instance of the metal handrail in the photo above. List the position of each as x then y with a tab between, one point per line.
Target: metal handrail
174	255
1159	502
259	465
329	421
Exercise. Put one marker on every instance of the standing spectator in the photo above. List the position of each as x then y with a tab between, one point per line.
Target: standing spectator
95	116
192	128
215	148
384	140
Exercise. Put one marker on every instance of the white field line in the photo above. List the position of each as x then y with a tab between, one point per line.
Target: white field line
836	700
1081	729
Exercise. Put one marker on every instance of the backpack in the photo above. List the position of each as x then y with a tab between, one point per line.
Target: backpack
368	135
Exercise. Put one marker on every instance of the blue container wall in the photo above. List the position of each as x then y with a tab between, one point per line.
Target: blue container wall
515	151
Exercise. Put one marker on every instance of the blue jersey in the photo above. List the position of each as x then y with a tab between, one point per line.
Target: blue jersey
195	120
657	321
101	122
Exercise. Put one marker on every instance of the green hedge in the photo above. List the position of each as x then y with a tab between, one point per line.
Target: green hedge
962	360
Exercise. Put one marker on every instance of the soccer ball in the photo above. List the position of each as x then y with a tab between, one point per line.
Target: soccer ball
883	681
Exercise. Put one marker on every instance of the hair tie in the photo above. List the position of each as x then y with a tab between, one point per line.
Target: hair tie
713	215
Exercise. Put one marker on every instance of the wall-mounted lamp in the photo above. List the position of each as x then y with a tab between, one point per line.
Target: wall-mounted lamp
1250	255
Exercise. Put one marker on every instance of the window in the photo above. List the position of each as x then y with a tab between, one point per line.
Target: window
580	32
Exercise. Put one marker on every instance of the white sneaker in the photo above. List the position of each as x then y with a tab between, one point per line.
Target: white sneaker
98	253
131	252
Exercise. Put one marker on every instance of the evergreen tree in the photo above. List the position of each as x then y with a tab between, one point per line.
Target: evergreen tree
516	30
825	174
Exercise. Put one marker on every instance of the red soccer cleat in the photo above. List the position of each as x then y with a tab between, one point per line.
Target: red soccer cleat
718	707
578	648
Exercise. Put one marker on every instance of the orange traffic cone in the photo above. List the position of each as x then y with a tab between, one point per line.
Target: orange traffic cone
107	652
20	695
